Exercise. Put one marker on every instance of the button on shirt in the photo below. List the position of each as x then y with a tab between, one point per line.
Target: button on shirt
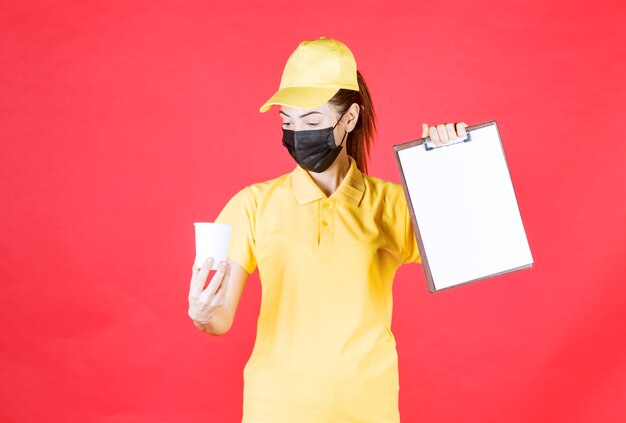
324	349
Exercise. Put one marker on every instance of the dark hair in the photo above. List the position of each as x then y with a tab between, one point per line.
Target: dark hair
361	138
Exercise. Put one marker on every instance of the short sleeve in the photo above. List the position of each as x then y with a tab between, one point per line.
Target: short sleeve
411	250
239	212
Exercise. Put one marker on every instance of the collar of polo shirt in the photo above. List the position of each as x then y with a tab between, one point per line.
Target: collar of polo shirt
350	190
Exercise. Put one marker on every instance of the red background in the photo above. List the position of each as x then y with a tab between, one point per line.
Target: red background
122	125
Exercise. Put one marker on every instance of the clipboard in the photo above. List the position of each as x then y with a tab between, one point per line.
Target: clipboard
463	207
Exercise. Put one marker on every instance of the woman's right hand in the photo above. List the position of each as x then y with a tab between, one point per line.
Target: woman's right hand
205	302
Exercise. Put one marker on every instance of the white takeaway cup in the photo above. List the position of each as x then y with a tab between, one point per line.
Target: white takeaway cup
211	241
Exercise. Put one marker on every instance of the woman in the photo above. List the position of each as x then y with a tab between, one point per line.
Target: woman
327	240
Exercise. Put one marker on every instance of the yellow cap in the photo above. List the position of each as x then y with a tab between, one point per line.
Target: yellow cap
314	72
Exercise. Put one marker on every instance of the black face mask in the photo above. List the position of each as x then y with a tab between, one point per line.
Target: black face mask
315	149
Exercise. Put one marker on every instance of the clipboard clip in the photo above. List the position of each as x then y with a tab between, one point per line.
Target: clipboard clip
429	145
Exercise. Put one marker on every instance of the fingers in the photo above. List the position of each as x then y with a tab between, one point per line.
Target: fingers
460	129
451	131
221	292
216	280
199	277
444	132
194	272
434	136
214	290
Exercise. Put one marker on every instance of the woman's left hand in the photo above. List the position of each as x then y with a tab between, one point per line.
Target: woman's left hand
444	132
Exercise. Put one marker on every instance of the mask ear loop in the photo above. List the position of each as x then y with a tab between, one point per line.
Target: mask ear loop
344	135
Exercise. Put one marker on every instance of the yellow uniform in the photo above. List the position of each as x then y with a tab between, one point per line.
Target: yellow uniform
324	349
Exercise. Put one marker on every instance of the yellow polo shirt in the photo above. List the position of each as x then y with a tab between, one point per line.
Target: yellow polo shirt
324	349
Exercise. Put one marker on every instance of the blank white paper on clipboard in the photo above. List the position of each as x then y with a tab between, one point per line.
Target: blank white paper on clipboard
463	207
